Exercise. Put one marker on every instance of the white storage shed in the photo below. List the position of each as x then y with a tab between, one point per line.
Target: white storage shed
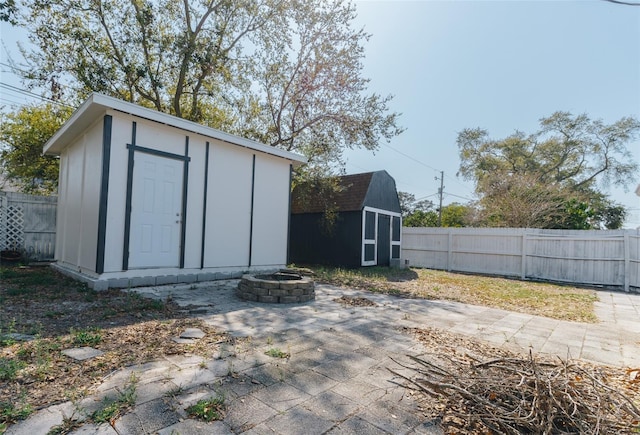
147	198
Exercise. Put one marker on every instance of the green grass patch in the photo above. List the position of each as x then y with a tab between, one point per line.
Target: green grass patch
274	352
24	277
12	413
86	337
9	368
19	291
210	409
7	274
6	341
138	303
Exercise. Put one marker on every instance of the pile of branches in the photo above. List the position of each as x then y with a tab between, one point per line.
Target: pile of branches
521	395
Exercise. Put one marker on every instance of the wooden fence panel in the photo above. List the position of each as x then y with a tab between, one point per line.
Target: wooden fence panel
603	258
422	248
487	251
28	223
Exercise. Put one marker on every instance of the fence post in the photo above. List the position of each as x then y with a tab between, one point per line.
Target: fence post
627	263
523	266
449	247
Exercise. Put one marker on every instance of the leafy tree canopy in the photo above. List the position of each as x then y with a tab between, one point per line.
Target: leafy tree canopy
409	204
421	218
22	135
424	213
8	11
455	215
551	178
287	73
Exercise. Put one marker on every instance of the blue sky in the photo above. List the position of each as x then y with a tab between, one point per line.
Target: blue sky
498	65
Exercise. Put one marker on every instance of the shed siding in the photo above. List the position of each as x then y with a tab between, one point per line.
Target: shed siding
91	196
79	200
270	211
228	206
310	243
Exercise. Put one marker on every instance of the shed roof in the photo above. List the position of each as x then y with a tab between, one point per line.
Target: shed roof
354	193
97	104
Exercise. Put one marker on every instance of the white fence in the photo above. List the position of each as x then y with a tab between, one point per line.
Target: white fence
28	223
601	258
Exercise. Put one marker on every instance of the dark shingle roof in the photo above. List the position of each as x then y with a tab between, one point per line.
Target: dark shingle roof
353	190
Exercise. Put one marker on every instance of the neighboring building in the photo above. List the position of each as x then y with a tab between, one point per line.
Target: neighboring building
7	185
148	198
367	231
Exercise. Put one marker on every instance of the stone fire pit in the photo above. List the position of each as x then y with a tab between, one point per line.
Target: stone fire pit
282	287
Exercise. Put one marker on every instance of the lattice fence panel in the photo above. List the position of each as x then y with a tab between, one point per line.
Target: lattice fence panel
13	227
3	222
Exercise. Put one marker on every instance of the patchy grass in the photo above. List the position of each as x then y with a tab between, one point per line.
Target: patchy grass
61	313
13	412
274	352
542	299
210	409
86	337
68	425
111	409
9	368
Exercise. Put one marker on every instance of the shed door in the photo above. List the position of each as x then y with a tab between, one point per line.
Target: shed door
384	239
156	204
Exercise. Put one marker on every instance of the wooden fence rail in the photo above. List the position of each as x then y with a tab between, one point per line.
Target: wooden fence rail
28	223
601	258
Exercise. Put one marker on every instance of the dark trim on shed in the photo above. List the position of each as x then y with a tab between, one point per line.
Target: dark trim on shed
183	221
127	210
204	203
161	153
253	189
104	192
289	214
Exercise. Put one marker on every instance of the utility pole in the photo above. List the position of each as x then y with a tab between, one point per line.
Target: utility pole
440	191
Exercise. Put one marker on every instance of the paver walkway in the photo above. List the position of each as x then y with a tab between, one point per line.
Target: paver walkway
336	380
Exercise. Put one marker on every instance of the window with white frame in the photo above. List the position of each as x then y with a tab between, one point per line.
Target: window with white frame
370	223
370	229
396	231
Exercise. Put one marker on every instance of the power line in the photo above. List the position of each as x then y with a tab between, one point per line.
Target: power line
430	167
31	94
12	102
619	2
13	68
411	158
458	196
425	197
